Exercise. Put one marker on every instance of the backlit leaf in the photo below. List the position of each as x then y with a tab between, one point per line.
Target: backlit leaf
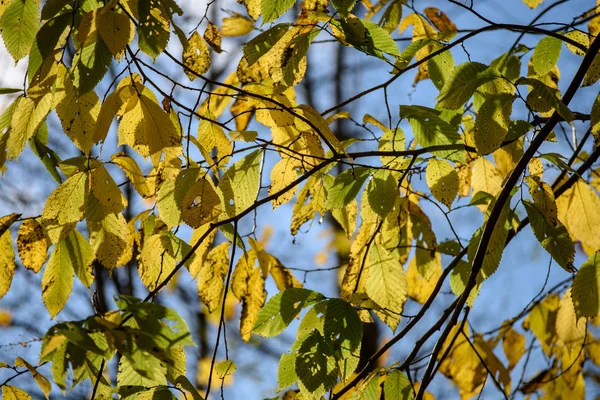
66	204
201	203
237	25
579	210
282	175
442	179
513	344
111	240
344	7
153	29
32	245
211	136
57	281
346	186
570	328
273	9
397	386
382	191
14	393
115	28
281	310
19	24
196	57
212	275
586	293
7	262
493	119
463	82
240	184
546	54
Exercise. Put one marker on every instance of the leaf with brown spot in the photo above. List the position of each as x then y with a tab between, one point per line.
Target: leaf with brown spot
32	245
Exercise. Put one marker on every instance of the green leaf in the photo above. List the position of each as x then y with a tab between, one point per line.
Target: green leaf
554	239
386	283
10	90
463	82
546	54
391	16
273	9
382	191
397	386
281	310
224	368
153	28
430	130
261	44
19	24
346	186
315	365
586	296
286	371
493	120
344	7
240	184
543	98
440	68
368	37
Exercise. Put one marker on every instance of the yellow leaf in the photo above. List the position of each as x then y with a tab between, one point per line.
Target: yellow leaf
115	103
252	303
419	288
147	128
133	173
66	204
40	379
283	277
211	136
485	177
241	274
513	344
253	7
212	35
111	240
579	211
240	184
585	288
201	203
440	20
158	258
541	321
320	126
386	283
282	175
106	191
532	3
196	57
237	25
507	156
536	167
5	318
202	250
211	277
464	180
14	393
7	262
543	198
57	281
346	217
442	180
77	115
570	329
581	38
26	120
171	195
116	29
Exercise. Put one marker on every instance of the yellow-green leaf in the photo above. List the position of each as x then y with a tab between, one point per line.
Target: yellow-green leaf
134	174
240	184
19	24
586	293
493	119
386	283
77	114
106	191
27	118
546	54
116	29
442	179
57	281
110	240
224	368
196	57
463	82
66	204
158	258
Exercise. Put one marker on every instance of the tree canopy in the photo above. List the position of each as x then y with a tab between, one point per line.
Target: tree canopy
185	149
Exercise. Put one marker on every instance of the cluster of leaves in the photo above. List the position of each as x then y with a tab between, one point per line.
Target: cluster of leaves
469	146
